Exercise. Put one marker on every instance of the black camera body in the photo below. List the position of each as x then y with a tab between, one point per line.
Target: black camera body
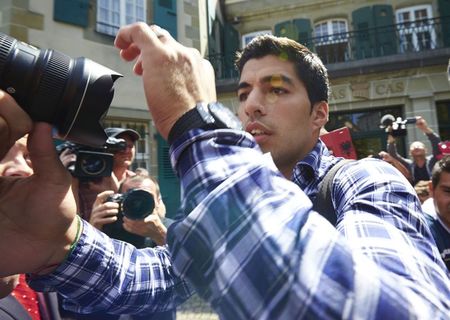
92	162
134	204
395	126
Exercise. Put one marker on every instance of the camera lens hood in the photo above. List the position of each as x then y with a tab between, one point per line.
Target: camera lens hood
71	94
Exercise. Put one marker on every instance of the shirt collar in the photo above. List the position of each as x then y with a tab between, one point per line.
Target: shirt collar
309	171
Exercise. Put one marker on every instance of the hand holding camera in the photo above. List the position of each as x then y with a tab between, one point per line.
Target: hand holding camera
396	126
37	213
151	227
87	162
112	210
104	212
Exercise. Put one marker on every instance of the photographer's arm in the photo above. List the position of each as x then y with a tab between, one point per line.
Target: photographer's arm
392	151
39	227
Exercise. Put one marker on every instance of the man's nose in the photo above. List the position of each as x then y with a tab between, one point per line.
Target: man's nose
254	104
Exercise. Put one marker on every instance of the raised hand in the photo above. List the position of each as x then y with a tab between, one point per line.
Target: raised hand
175	77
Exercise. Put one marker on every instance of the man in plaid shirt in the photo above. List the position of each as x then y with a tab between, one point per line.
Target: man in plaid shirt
249	241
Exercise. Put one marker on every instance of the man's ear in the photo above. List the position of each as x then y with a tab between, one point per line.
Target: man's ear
430	187
320	114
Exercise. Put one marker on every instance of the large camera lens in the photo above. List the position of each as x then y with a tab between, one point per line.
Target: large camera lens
138	204
71	94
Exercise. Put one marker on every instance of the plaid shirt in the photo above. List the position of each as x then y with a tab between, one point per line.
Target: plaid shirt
107	275
251	245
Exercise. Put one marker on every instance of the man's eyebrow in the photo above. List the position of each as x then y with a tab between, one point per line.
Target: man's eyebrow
277	79
243	85
274	79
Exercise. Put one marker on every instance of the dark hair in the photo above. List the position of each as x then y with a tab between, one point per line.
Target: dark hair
139	179
442	166
309	67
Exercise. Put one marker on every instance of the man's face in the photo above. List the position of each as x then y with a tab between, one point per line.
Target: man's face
275	108
125	158
441	197
17	161
417	151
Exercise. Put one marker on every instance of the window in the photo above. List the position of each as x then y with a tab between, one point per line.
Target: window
331	40
112	14
142	157
416	31
246	38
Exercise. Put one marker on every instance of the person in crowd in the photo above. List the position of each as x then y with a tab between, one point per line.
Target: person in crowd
420	164
423	191
439	223
248	240
123	159
19	301
86	190
150	231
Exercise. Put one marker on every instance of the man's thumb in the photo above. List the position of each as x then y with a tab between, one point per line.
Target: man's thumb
43	154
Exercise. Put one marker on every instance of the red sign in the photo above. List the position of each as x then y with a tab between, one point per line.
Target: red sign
339	142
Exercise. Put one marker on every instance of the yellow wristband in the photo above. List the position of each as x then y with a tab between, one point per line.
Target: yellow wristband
77	237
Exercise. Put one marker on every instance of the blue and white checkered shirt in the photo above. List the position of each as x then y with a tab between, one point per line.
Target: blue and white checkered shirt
251	245
111	276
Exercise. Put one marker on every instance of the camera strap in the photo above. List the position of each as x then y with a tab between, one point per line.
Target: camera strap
323	204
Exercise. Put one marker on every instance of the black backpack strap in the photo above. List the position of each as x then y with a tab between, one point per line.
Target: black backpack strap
323	203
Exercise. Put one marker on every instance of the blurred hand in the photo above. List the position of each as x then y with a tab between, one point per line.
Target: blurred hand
386	157
37	213
7	285
151	227
103	212
14	123
175	77
67	157
422	125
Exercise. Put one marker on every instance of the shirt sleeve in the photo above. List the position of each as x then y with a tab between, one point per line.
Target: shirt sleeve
252	246
393	152
103	274
434	141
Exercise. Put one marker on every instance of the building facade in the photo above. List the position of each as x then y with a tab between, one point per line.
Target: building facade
383	57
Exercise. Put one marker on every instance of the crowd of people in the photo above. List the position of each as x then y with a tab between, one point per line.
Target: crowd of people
245	238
